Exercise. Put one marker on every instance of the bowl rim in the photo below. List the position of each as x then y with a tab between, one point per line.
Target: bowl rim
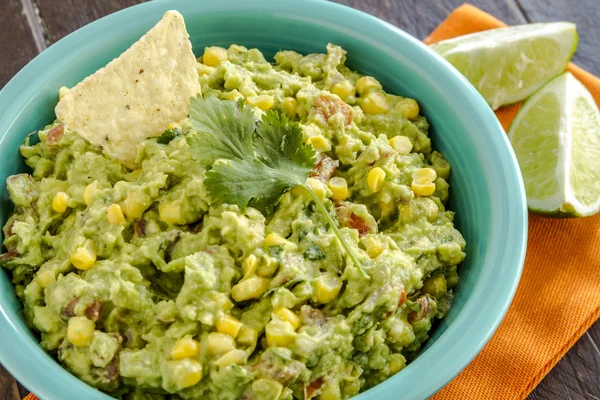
23	347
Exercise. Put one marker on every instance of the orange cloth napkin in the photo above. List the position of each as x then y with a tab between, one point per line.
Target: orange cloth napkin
558	298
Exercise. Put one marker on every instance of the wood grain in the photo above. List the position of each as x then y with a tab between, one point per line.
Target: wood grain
585	13
17	43
577	375
61	17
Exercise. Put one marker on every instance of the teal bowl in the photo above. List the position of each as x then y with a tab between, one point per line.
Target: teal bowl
486	187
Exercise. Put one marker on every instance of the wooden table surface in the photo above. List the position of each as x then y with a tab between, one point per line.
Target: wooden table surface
29	26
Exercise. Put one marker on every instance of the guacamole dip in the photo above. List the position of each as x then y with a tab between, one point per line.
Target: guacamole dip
145	287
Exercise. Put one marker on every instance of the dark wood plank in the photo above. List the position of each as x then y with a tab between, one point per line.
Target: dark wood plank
8	386
17	42
420	17
577	375
64	16
585	13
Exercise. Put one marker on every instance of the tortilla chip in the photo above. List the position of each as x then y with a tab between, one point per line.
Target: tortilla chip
137	94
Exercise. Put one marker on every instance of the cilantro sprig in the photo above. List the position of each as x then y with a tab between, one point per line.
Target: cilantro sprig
250	164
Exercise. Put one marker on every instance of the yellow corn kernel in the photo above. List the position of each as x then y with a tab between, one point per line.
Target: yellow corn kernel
317	187
279	333
44	278
249	265
424	175
326	288
374	249
187	372
442	168
233	95
435	285
80	331
401	144
290	106
220	343
134	205
423	189
115	214
247	336
375	179
288	315
339	188
60	202
331	391
251	288
170	213
229	326
343	89
408	108
366	84
85	256
320	143
89	193
214	55
270	264
274	239
264	102
62	92
231	357
375	103
185	347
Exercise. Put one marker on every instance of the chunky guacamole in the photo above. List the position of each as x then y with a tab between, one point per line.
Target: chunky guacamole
143	285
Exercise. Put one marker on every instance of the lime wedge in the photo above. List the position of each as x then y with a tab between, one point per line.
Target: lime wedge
506	65
556	137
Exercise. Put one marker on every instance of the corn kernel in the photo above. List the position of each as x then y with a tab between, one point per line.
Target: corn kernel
274	239
326	288
397	362
229	326
290	106
85	256
343	89
89	193
115	214
214	55
435	285
366	84
339	188
135	205
185	347
270	265
424	175
231	357
170	213
44	278
186	373
62	92
279	333
80	331
220	343
288	315
251	288
249	265
375	103
442	168
375	179
320	143
317	187
60	202
264	102
247	336
408	108
401	144
233	95
374	249
423	189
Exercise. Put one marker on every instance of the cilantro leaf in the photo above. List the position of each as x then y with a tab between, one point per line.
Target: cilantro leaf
168	135
253	165
224	130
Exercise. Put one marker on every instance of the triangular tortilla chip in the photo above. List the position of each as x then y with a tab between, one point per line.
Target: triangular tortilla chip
137	94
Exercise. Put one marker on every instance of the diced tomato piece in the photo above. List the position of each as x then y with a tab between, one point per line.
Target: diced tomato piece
55	134
328	106
325	168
